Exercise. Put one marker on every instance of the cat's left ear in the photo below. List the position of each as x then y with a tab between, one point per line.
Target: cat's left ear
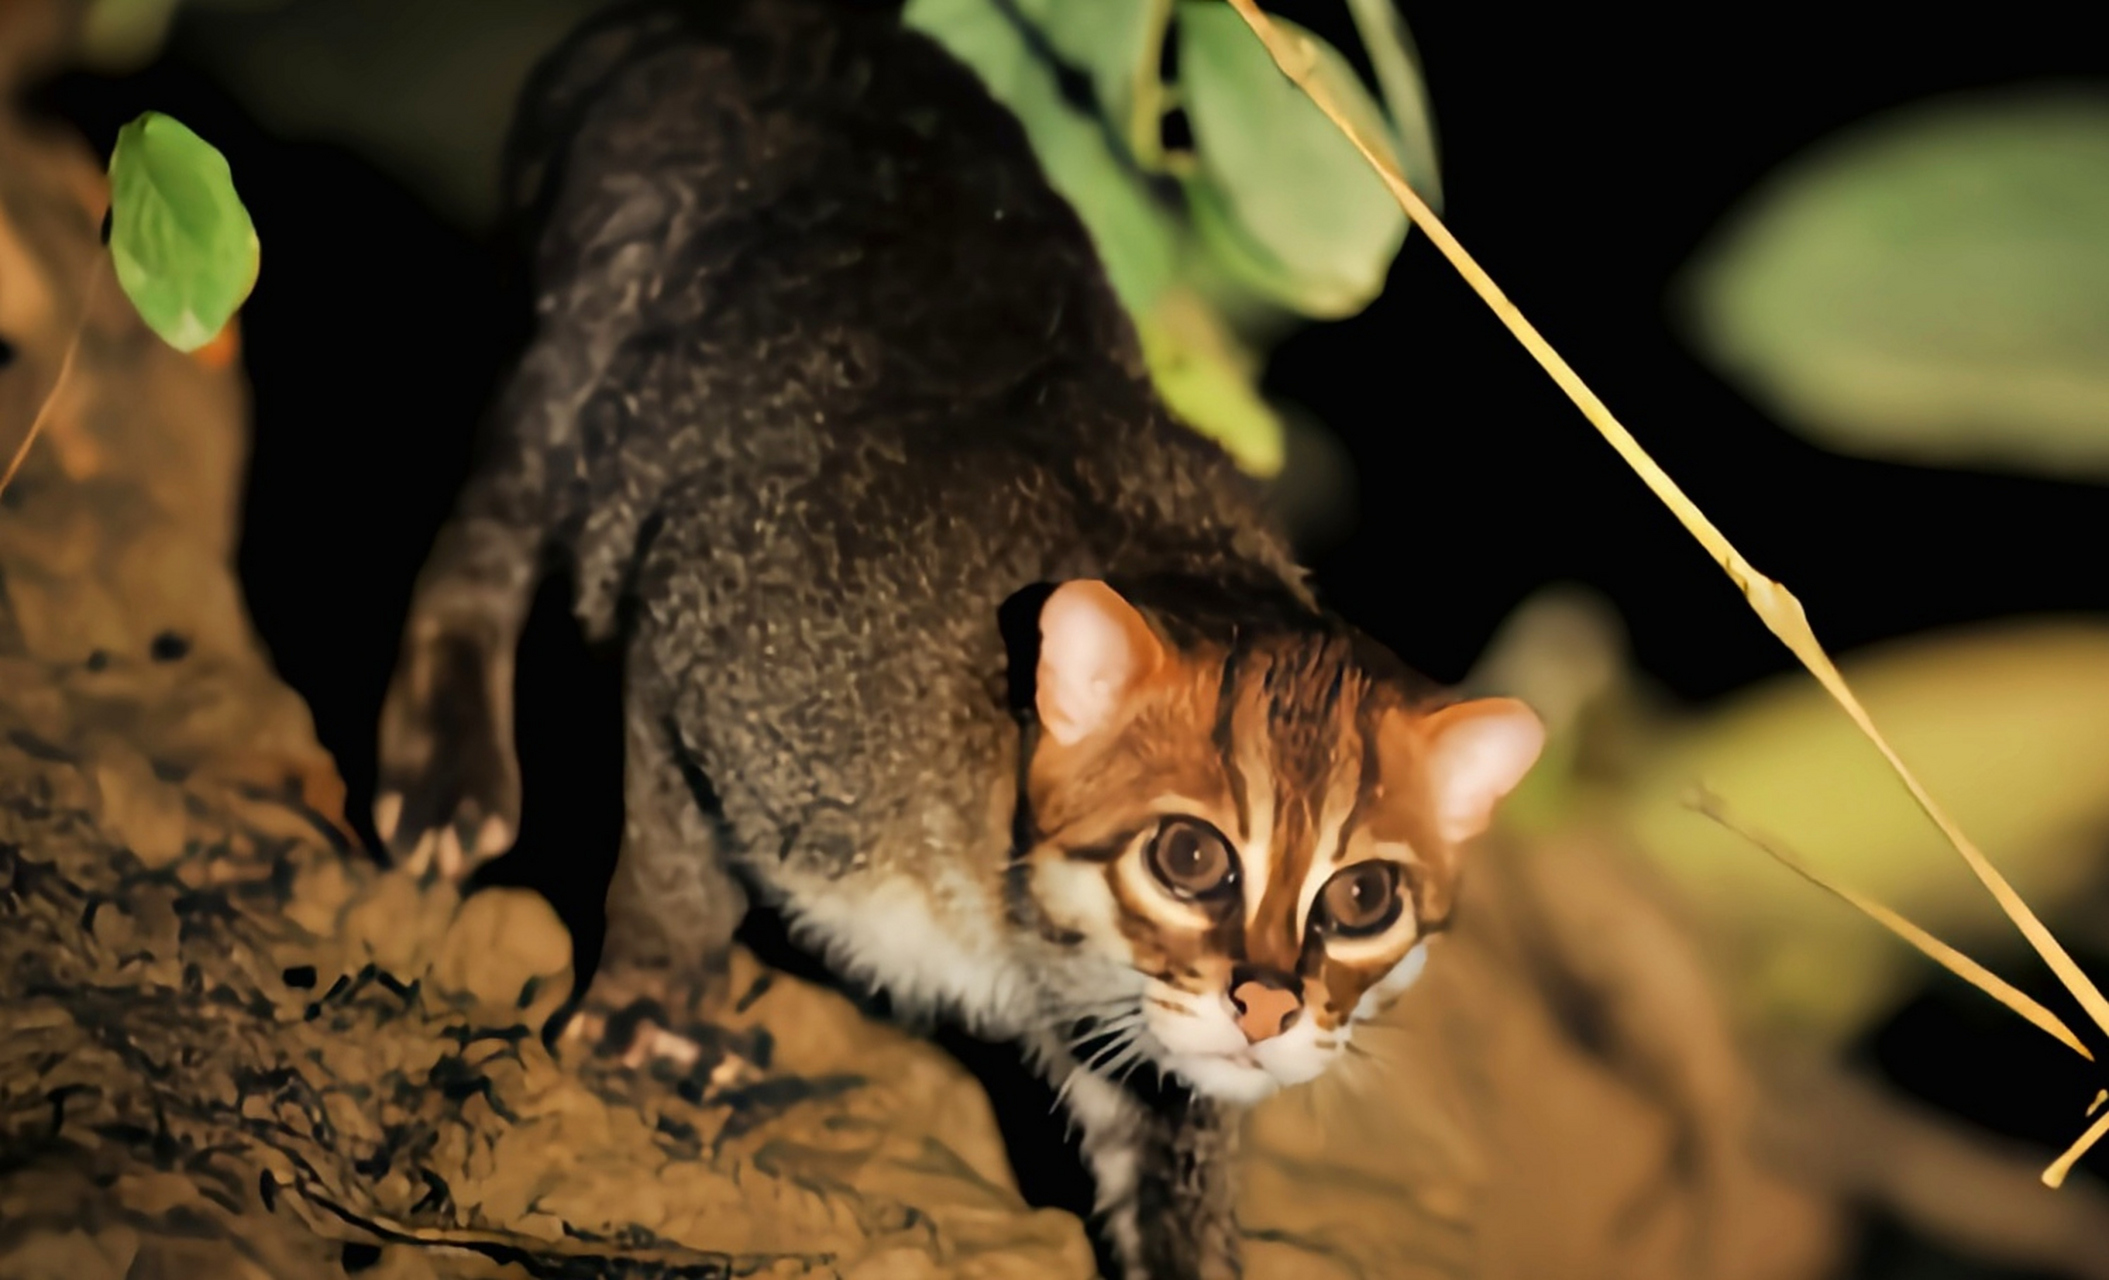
1475	753
1095	651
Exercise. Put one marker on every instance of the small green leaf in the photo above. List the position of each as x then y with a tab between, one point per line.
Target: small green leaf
1293	209
184	247
1931	286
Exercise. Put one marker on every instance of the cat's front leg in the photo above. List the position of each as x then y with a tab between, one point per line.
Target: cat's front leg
1165	1170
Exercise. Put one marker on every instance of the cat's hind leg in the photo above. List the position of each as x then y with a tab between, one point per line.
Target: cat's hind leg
672	909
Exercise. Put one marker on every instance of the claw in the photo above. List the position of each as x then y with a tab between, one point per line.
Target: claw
419	860
387	812
494	837
657	1043
452	862
583	1028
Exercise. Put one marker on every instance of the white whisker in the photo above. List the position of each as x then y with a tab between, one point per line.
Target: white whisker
1136	1058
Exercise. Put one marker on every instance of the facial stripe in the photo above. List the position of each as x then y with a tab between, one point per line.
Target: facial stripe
1252	765
1224	737
1343	799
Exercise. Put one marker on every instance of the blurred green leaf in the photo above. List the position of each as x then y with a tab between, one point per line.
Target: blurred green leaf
117	36
2008	724
1199	368
1931	286
1398	66
1116	42
1209	380
425	90
183	245
1135	237
1287	203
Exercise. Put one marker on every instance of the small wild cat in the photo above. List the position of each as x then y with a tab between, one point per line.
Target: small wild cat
938	631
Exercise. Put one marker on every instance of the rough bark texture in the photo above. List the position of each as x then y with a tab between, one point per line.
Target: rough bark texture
232	1046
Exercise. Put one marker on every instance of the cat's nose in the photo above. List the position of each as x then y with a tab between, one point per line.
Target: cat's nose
1267	1003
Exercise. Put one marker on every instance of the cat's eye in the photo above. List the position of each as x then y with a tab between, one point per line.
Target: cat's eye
1361	900
1192	859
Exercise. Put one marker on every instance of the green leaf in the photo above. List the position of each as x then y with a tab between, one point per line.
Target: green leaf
1398	66
1205	376
2008	723
1209	381
1291	208
1135	237
1932	286
183	245
1116	42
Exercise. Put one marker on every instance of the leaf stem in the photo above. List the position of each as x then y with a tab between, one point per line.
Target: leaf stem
1397	64
1962	966
1150	101
73	350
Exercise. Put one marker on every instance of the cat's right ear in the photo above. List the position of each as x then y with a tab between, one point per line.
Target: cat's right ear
1095	652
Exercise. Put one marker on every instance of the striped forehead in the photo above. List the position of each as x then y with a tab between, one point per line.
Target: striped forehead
1292	748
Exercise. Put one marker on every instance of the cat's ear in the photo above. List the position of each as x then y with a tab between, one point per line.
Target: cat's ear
1475	753
1095	651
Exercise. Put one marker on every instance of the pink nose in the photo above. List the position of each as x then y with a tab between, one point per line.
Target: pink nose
1264	1009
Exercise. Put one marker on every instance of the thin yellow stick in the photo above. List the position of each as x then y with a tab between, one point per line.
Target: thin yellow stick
2054	1176
1940	952
1773	603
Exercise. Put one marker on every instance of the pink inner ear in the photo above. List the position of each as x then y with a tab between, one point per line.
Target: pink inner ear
1477	753
1094	651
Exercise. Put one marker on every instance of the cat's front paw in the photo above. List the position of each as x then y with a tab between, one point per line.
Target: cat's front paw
449	793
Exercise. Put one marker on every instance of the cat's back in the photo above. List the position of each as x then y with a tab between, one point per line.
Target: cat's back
844	267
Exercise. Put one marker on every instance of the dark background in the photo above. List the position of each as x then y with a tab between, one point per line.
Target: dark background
1585	155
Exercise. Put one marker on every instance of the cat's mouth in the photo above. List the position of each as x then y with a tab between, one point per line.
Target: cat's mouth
1202	1045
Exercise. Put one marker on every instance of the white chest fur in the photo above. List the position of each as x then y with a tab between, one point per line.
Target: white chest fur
933	946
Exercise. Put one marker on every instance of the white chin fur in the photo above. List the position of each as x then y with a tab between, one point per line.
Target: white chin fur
1205	1048
1220	1077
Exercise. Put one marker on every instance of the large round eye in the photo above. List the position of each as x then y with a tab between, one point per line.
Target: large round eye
1192	859
1361	900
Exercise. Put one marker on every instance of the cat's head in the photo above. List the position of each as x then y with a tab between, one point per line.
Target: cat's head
1262	830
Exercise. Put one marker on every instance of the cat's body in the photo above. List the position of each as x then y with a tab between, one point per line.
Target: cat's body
825	376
